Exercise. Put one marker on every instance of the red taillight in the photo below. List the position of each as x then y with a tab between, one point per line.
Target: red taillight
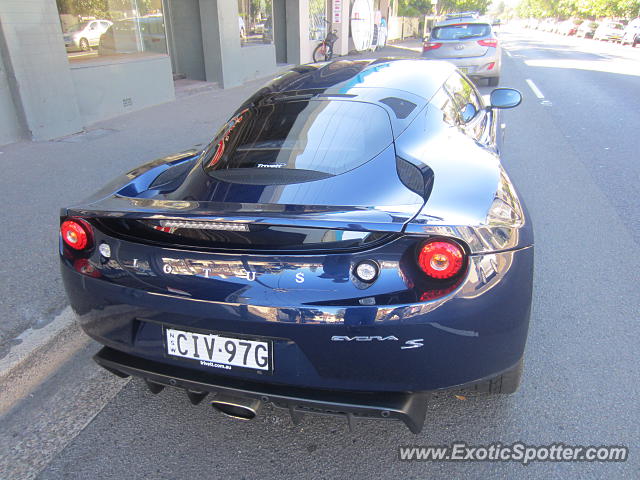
491	65
430	46
76	233
441	259
492	42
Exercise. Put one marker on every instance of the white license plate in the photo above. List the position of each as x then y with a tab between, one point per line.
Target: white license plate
218	351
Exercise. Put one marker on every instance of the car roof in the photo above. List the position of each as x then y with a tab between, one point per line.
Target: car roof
419	77
461	21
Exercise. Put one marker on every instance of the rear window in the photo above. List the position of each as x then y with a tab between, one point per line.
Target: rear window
296	141
460	31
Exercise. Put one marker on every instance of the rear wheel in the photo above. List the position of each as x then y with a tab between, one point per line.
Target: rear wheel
322	53
504	384
493	81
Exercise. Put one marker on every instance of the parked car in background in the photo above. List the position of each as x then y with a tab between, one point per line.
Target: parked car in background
85	35
472	46
631	34
610	31
568	27
586	29
142	34
547	25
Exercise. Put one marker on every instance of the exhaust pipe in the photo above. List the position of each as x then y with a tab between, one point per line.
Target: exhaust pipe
236	407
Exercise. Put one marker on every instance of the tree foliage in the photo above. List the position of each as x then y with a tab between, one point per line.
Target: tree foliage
449	6
415	8
579	8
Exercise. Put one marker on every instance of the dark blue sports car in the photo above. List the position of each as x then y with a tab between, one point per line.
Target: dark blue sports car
346	244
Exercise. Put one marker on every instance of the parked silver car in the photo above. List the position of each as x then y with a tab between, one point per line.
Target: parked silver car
470	45
85	35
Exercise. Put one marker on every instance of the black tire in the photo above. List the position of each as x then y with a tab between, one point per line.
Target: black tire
504	384
84	45
493	81
322	53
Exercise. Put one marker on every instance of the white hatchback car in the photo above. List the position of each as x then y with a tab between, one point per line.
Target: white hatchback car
85	35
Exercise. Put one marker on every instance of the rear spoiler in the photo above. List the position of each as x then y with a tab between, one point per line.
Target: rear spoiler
371	219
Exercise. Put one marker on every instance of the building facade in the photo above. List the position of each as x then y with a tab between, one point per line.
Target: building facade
66	64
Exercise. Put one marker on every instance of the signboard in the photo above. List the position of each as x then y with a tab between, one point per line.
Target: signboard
337	11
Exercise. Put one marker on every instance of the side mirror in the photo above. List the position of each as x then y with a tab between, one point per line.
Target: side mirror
505	98
468	112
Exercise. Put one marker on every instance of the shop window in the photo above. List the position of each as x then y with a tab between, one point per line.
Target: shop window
255	19
317	19
96	29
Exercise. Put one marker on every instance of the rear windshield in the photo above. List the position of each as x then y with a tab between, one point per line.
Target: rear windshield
298	140
461	31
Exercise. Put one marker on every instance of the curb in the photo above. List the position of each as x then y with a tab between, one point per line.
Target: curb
40	353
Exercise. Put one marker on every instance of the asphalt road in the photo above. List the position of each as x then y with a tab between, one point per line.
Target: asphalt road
572	151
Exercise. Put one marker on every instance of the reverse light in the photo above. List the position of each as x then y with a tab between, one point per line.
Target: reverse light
441	259
76	233
430	46
491	42
366	271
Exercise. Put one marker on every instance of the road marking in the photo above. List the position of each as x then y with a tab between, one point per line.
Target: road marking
536	91
508	53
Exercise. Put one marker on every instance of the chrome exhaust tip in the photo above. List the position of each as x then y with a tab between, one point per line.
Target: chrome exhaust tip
236	407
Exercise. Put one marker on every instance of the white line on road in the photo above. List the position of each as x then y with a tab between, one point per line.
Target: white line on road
536	91
507	52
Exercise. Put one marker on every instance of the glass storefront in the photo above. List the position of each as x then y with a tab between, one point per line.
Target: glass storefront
95	29
255	19
317	19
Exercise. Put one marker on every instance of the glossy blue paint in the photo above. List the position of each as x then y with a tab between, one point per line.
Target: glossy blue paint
471	327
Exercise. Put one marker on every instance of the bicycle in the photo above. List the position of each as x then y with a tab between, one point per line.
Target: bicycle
324	51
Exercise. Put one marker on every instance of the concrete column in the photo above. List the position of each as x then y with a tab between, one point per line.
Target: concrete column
280	30
295	14
226	61
44	94
341	47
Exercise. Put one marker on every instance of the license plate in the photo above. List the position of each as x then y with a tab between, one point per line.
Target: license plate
218	351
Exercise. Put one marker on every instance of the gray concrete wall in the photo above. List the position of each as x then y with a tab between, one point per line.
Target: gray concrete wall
185	38
33	39
257	61
10	128
105	90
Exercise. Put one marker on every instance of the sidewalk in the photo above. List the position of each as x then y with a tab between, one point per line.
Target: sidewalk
40	177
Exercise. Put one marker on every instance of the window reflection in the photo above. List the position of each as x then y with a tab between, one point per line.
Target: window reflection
317	19
255	22
107	28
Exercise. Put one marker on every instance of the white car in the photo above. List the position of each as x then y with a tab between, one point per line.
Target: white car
609	31
631	34
85	35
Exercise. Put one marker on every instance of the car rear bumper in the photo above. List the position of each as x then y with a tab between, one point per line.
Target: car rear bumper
472	333
407	407
475	66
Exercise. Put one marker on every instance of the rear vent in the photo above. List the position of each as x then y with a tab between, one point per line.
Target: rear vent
415	179
171	177
402	108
